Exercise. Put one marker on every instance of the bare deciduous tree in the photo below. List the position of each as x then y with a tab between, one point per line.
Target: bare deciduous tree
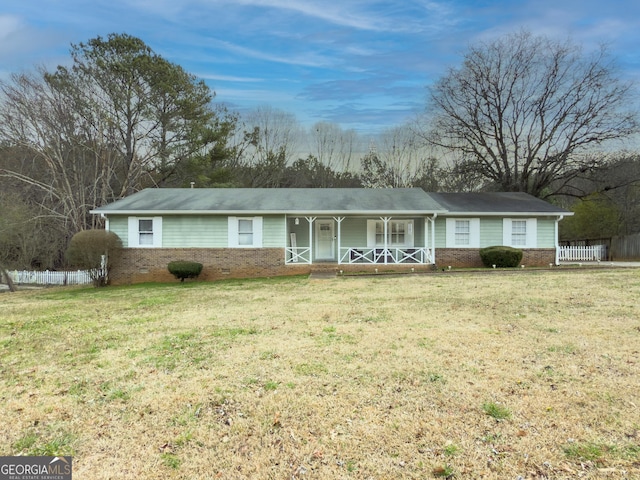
521	109
399	160
270	142
70	166
332	146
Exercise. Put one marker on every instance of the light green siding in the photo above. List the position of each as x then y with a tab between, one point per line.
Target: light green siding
273	231
441	232
546	232
119	225
194	231
211	231
353	232
490	232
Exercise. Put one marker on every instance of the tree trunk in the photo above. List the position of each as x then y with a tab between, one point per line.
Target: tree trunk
5	274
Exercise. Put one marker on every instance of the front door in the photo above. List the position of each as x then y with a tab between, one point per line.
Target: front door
325	241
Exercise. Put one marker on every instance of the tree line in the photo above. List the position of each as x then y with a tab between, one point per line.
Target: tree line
521	113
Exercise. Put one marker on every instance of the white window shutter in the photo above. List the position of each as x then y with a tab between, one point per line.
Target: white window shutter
233	232
157	232
132	233
532	232
450	227
506	232
474	233
257	232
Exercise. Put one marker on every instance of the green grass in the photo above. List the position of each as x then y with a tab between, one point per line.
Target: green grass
602	453
497	411
32	443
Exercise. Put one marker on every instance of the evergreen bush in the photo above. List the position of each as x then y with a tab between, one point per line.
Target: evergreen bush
182	269
500	256
90	250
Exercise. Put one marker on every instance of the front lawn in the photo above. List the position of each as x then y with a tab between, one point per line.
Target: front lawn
531	374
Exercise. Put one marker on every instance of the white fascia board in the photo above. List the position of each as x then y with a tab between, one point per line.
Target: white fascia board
506	214
264	212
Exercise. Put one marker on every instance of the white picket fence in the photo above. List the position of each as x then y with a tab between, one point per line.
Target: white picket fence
591	253
24	277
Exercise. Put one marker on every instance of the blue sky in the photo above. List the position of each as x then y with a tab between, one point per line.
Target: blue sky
362	64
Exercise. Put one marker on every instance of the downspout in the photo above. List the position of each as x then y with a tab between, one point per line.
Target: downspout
560	217
106	221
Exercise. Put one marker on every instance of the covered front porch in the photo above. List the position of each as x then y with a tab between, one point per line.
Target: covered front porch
387	240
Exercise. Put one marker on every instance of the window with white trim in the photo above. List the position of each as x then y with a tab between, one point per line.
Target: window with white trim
463	233
245	232
145	232
399	233
520	232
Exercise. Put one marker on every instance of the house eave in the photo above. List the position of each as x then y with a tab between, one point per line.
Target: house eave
300	213
506	214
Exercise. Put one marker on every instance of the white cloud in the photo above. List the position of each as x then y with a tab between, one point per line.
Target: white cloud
24	45
306	59
227	78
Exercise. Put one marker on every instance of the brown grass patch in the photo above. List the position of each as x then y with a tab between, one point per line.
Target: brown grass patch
531	375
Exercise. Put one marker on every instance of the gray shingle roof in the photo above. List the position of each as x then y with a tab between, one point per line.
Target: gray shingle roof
496	203
274	200
324	201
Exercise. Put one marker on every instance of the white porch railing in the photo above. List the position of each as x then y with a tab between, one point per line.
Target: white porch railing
593	253
79	277
298	255
385	255
302	255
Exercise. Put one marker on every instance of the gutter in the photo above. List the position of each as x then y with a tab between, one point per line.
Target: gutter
298	213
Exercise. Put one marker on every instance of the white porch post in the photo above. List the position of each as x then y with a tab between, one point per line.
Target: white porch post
339	221
385	220
433	237
310	220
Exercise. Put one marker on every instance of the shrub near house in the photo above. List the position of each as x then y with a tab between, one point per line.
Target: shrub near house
501	257
90	250
182	269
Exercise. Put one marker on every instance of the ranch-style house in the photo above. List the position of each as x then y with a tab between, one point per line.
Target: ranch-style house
242	232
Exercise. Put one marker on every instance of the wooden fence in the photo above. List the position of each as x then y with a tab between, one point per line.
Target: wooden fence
79	277
626	247
590	253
